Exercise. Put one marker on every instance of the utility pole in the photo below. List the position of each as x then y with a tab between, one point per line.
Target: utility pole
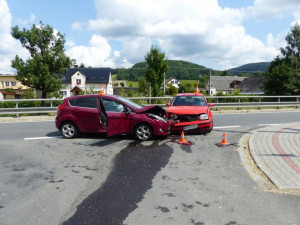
209	83
164	84
150	94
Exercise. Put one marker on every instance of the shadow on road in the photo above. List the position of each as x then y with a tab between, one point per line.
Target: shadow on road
131	176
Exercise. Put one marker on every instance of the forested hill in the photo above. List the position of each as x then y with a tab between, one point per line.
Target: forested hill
178	69
250	68
184	70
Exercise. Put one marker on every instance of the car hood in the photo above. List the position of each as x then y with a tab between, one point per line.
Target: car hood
187	110
154	109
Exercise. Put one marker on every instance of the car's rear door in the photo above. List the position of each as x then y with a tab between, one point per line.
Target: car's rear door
118	117
85	113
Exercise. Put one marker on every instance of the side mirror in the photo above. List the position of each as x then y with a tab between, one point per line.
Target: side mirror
211	104
168	104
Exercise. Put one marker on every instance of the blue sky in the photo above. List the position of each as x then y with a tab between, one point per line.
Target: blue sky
218	34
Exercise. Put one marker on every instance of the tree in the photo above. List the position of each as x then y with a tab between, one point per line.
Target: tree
47	58
283	75
156	67
143	86
172	90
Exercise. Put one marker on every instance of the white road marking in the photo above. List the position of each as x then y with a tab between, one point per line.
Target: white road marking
270	124
226	127
40	138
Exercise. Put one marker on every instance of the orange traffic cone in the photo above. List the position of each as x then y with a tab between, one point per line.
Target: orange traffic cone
224	140
182	139
197	90
101	90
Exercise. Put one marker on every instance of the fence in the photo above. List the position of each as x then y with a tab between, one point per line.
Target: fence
18	106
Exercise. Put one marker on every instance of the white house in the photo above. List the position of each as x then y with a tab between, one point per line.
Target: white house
81	79
225	84
174	82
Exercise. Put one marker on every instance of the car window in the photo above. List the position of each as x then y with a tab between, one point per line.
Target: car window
189	101
90	102
113	106
131	103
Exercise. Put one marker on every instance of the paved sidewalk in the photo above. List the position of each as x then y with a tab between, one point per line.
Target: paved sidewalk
276	151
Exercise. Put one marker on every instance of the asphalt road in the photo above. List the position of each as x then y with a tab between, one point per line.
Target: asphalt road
45	179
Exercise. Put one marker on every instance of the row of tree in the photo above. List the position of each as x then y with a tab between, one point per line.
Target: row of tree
48	63
283	76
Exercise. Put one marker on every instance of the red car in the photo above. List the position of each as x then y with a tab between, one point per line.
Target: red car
110	114
192	112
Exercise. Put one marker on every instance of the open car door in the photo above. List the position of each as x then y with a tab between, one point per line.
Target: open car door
118	116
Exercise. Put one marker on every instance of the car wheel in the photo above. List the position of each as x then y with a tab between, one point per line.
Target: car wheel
143	132
68	130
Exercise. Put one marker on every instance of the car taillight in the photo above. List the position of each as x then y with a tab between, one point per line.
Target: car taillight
61	106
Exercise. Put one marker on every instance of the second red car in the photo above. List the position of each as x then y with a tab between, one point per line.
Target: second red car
192	113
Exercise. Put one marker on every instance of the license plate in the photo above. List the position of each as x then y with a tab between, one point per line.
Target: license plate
191	127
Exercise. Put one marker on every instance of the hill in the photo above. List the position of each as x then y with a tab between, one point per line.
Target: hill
178	69
250	69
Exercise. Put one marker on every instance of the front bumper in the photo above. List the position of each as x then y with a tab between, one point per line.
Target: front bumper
193	126
162	128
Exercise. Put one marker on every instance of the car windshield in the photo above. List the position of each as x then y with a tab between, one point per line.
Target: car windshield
130	103
189	101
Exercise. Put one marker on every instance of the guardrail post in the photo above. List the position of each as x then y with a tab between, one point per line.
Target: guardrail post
297	103
217	109
239	103
278	101
259	100
51	103
17	106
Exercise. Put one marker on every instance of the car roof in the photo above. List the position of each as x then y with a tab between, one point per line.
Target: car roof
91	95
189	94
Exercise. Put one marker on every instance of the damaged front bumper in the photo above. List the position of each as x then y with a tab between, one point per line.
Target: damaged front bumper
193	126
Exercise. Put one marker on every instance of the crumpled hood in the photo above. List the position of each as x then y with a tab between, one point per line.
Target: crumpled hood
154	109
187	110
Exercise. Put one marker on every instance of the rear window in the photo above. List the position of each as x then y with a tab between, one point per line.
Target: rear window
90	102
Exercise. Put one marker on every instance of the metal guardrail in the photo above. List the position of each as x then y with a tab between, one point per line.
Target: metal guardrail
237	103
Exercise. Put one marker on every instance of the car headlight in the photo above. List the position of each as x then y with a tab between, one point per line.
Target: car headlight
203	117
159	118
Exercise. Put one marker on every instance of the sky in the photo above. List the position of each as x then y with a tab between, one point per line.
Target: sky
217	34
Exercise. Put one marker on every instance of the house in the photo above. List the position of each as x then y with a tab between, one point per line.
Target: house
10	81
172	81
225	84
252	85
77	80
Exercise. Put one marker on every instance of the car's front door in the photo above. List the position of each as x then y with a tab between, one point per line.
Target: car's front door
118	117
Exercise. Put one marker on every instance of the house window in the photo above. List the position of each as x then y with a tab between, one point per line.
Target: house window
63	93
78	81
13	83
6	83
176	81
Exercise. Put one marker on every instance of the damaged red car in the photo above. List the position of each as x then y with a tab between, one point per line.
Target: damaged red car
191	113
110	114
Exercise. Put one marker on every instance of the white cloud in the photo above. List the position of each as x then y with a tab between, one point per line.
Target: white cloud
29	21
77	26
199	31
96	55
9	47
264	9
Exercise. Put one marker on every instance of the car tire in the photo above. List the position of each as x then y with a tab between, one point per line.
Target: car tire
143	132
68	130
